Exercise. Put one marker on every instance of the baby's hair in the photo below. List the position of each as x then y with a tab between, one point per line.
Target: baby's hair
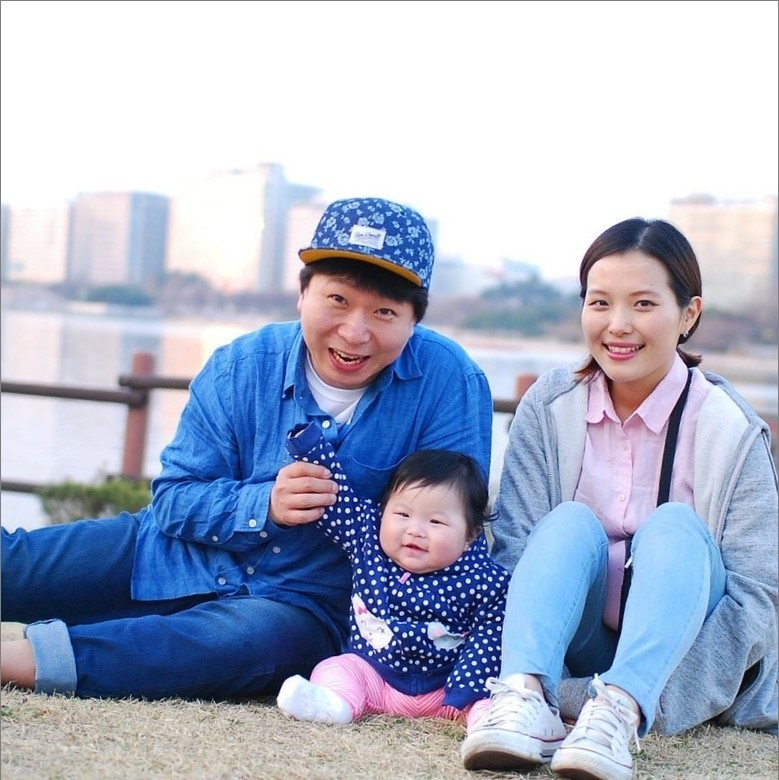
425	468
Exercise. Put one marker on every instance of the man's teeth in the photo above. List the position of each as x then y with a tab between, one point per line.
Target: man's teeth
346	358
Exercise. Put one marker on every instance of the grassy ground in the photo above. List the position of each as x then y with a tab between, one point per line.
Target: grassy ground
57	737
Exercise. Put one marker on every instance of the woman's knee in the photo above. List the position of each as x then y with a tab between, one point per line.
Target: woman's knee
570	521
673	523
676	546
673	535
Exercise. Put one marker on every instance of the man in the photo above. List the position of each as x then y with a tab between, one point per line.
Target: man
213	590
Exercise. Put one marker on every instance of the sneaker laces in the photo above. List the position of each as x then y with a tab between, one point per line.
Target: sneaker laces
605	718
509	706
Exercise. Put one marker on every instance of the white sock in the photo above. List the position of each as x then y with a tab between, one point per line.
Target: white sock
301	699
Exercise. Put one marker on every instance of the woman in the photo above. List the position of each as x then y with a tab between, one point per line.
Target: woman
638	513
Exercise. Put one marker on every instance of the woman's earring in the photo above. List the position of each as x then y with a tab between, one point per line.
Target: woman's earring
686	334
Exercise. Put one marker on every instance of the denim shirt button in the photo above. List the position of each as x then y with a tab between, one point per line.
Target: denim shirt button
263	534
277	549
252	523
250	569
325	424
222	581
214	538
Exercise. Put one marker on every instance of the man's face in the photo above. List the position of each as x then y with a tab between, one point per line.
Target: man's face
351	334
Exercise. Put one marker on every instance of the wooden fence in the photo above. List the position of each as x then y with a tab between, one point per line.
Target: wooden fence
134	392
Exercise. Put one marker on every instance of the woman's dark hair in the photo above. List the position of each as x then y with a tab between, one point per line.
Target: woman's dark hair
658	239
425	468
372	278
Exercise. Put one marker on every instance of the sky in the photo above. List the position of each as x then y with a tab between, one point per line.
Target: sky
520	129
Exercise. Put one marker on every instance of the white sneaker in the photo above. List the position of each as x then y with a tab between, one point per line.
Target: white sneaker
301	699
519	732
598	747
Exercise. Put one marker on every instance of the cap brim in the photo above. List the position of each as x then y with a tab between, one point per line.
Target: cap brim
312	255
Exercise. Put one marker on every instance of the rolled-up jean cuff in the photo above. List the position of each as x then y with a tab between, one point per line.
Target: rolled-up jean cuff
55	663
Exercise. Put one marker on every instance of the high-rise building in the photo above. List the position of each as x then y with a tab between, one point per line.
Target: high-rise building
117	238
5	215
229	228
302	219
35	243
736	246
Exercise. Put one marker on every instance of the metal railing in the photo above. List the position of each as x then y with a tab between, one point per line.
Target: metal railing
136	396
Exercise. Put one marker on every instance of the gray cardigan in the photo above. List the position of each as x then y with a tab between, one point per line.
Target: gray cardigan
730	673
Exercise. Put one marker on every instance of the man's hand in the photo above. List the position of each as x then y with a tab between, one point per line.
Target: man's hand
301	493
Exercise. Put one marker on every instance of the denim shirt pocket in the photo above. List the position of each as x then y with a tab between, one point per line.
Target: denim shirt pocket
366	480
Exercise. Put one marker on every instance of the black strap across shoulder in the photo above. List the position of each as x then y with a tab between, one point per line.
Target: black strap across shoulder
670	444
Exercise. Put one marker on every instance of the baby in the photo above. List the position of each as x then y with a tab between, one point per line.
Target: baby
427	599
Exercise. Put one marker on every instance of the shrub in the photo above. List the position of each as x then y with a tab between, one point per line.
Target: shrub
67	501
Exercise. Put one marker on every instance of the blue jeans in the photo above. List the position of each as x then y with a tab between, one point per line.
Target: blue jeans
89	637
557	595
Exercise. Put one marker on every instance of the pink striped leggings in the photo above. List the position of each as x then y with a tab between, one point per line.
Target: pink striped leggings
361	686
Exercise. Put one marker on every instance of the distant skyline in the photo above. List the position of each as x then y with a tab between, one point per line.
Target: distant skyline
522	129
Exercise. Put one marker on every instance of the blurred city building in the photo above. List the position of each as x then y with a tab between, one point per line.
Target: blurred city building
239	231
737	247
302	219
35	243
234	228
5	215
454	278
117	238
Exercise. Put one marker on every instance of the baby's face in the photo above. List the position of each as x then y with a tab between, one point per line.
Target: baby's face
424	529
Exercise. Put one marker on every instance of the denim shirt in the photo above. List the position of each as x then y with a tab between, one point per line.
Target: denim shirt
207	529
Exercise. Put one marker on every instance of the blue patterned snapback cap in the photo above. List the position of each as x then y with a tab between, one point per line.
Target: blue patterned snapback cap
376	231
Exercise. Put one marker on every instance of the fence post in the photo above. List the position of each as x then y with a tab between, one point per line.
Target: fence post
522	384
137	422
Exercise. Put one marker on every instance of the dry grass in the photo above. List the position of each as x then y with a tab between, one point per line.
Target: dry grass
57	737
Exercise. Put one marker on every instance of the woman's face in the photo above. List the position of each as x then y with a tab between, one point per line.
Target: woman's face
632	322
